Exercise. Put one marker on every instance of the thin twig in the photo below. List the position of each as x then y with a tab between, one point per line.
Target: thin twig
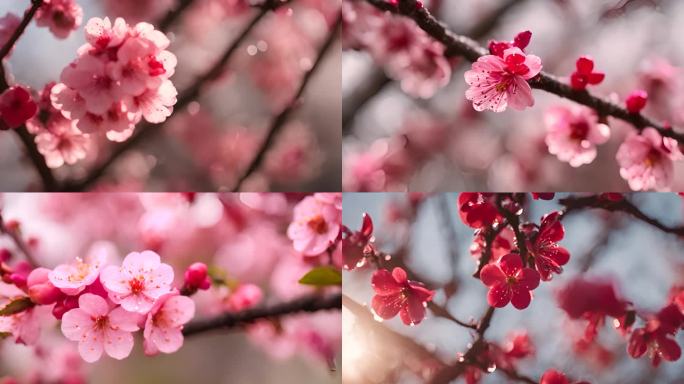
310	304
19	242
460	45
146	130
174	14
28	16
279	121
440	311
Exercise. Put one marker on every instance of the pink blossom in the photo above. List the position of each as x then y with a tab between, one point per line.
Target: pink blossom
496	82
59	141
8	24
426	72
572	134
244	297
99	328
314	227
102	34
60	16
509	282
24	326
75	277
646	160
164	324
141	280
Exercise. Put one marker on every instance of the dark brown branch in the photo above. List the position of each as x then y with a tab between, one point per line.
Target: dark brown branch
279	121
514	222
459	45
377	80
18	241
146	130
28	16
49	181
440	311
174	14
310	304
574	203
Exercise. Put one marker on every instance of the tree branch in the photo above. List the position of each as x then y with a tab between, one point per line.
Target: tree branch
18	241
146	129
174	14
310	304
459	45
279	121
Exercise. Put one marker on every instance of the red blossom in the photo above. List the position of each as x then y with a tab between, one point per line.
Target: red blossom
658	336
16	106
521	40
354	243
584	74
636	101
508	282
395	293
542	244
478	210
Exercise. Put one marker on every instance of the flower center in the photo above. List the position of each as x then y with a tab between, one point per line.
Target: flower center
81	270
318	224
579	130
156	67
515	64
101	322
652	159
511	280
137	285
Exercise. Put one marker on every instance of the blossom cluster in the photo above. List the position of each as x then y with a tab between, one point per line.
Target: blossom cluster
121	76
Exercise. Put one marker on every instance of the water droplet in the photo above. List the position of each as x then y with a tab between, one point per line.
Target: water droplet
491	368
388	257
361	263
460	357
262	45
425	304
616	323
376	317
252	50
193	108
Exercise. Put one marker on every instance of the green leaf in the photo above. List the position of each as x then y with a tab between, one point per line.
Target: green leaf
16	306
322	277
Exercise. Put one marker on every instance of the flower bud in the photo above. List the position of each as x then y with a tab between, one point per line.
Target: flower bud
196	277
636	101
40	289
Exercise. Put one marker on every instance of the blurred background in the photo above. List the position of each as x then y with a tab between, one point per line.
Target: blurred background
643	262
242	235
440	143
205	146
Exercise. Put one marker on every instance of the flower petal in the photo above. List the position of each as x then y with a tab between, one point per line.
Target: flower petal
521	297
510	264
384	284
499	295
387	306
492	274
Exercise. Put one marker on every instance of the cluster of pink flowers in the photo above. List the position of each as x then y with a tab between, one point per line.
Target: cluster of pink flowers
406	52
120	77
101	305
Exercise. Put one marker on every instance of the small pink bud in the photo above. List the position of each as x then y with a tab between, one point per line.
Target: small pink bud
196	277
64	306
5	255
40	289
636	101
245	296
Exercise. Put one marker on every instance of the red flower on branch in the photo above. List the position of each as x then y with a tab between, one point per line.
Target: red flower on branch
395	293
16	106
509	282
542	244
658	336
355	243
478	210
584	75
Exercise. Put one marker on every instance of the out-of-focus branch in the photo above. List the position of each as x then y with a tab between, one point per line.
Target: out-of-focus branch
18	241
279	121
440	311
377	80
575	203
146	130
310	304
460	45
602	241
28	16
174	14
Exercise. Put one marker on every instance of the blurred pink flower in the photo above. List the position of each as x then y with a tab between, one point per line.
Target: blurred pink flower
99	328
497	82
572	134
646	160
59	140
8	24
315	226
141	279
60	16
164	324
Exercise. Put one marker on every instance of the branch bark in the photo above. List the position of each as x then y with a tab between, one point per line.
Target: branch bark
459	45
306	304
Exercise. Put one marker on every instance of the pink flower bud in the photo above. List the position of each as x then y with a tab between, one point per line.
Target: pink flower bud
196	277
64	306
40	289
636	101
5	255
245	296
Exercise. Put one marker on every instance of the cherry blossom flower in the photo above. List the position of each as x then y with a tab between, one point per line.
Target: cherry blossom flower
478	210
245	296
636	101
315	226
572	134
657	336
542	244
509	282
60	16
24	326
99	328
196	277
552	376
426	72
59	141
141	279
120	77
497	82
164	323
646	160
75	277
503	244
584	74
354	243
396	294
521	40
16	106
